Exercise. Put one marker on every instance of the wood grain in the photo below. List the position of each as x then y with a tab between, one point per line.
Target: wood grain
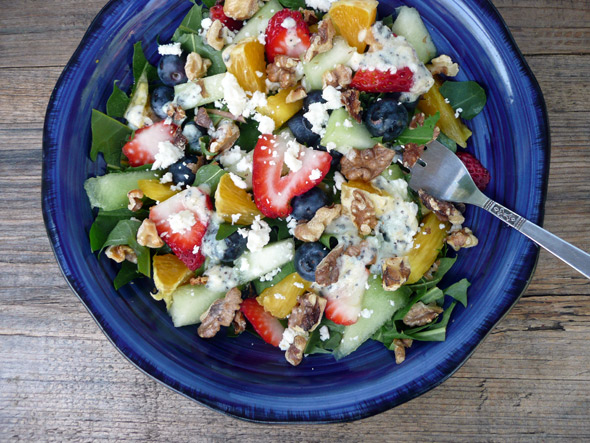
60	378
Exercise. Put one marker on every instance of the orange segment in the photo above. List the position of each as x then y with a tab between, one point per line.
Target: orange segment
169	273
427	245
231	200
155	190
353	20
280	299
247	64
278	109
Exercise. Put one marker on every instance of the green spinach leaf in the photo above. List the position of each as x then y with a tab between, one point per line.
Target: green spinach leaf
209	3
194	43
105	222
117	103
225	230
260	286
191	22
422	134
293	4
141	65
125	233
459	291
447	141
127	273
316	346
108	137
468	97
249	134
209	175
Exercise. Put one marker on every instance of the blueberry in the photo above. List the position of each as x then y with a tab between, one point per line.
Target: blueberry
306	205
236	245
307	259
336	156
301	129
160	97
313	97
386	118
171	70
182	170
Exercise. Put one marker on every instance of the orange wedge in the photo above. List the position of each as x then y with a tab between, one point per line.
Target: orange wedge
247	64
280	299
169	273
155	190
278	109
231	201
353	20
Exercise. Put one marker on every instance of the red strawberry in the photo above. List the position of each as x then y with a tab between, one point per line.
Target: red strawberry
383	81
142	149
346	295
272	191
181	222
269	328
287	34
216	13
479	174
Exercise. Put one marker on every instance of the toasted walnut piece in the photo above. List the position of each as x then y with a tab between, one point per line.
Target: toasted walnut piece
215	35
366	164
199	281
463	238
194	167
444	211
202	119
296	94
412	153
226	134
307	314
196	66
400	349
240	9
339	76
294	354
176	113
147	235
283	71
322	41
363	212
350	100
417	120
327	271
313	229
220	313
362	250
135	202
421	314
374	44
396	271
120	253
443	65
239	323
429	275
309	16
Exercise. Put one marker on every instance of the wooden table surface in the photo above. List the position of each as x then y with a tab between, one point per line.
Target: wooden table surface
61	379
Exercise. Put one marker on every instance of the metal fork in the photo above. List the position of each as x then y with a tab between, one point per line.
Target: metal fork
440	173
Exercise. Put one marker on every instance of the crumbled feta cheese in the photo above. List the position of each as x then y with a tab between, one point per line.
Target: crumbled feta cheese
315	174
238	181
288	338
206	23
166	178
324	333
181	221
279	296
196	250
270	275
366	313
320	5
259	235
333	97
317	115
458	112
266	125
292	156
288	23
299	285
338	180
330	146
170	49
291	224
235	218
233	94
441	226
167	155
257	100
447	100
262	38
347	123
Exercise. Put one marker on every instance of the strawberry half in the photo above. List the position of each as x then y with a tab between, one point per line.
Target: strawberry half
273	192
288	34
269	328
181	222
479	174
216	13
383	81
143	147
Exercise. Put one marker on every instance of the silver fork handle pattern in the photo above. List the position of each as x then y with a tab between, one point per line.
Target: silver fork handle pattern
575	257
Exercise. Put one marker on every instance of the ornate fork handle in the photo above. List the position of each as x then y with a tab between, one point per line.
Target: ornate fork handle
566	252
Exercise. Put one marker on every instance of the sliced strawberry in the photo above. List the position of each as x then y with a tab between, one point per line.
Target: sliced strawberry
142	149
383	81
288	34
216	13
181	222
273	193
345	297
479	174
269	328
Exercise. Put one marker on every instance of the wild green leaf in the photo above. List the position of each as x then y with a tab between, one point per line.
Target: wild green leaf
249	134
209	3
117	102
125	233
459	291
422	134
260	286
105	222
127	274
293	4
446	141
330	241
280	231
141	64
468	97
316	346
445	263
225	230
194	43
108	137
209	175
191	22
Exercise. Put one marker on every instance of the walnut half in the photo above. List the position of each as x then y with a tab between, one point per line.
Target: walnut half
444	211
313	229
294	354
307	314
283	70
463	238
363	212
396	271
221	313
135	202
196	66
366	164
400	349
322	41
147	235
120	253
421	314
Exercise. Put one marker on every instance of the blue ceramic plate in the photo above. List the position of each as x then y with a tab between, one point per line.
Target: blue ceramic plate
244	377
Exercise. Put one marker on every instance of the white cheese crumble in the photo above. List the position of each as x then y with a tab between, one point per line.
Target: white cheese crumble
292	156
288	338
266	125
280	296
291	224
338	180
320	5
167	155
181	221
299	285
324	333
170	49
458	112
259	235
238	181
347	123
233	95
317	114
288	23
235	218
315	174
366	313
166	178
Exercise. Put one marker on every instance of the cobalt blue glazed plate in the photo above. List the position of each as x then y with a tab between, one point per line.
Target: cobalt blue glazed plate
244	377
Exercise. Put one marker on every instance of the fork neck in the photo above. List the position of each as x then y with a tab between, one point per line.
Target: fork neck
478	198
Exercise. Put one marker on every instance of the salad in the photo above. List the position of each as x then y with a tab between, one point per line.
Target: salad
259	175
